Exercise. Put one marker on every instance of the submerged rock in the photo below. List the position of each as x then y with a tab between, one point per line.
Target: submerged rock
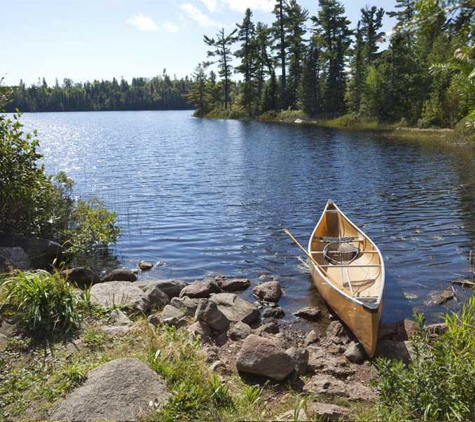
145	266
276	312
232	284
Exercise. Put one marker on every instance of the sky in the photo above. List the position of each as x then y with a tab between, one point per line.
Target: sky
100	39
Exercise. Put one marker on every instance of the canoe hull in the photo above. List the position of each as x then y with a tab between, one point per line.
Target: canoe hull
361	320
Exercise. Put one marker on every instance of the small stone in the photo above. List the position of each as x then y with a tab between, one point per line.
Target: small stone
233	284
145	266
117	317
440	298
291	416
217	365
435	330
200	328
277	312
269	328
309	313
326	385
172	316
328	412
269	291
355	353
300	359
239	331
115	331
311	338
155	319
336	333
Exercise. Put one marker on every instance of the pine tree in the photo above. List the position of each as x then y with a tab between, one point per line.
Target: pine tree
279	34
371	23
333	33
199	94
221	49
249	66
309	91
266	66
296	18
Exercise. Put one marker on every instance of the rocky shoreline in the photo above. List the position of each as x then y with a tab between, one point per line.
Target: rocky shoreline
239	338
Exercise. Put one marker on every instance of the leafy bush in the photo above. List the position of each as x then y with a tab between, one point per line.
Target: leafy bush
439	383
45	304
35	204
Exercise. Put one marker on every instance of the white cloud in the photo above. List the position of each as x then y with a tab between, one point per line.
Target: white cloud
212	5
142	23
169	27
199	17
242	5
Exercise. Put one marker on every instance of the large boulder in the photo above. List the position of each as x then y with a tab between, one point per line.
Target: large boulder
208	312
120	390
328	411
171	288
235	308
261	356
120	274
82	277
269	291
14	258
232	284
185	304
173	316
42	253
239	331
121	293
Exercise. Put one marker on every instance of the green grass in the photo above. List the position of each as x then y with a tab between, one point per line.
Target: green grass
44	304
439	383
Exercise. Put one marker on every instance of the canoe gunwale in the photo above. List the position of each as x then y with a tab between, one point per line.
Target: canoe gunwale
370	306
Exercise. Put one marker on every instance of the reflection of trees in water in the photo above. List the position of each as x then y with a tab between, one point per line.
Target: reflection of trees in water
101	261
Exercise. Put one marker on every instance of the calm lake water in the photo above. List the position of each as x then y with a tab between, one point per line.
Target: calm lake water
211	196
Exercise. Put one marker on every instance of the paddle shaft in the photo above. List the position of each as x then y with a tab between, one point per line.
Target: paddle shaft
300	246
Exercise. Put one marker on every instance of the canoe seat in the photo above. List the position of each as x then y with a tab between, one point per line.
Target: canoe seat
368	298
326	239
360	283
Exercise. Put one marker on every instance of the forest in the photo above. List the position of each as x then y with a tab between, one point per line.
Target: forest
323	66
158	93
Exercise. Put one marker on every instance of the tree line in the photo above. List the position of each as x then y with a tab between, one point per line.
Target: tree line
323	67
158	93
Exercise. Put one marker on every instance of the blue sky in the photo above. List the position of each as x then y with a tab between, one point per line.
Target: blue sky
101	39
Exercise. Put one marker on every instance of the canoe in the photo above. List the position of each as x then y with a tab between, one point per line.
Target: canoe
348	271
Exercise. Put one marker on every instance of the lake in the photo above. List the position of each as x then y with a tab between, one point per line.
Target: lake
212	197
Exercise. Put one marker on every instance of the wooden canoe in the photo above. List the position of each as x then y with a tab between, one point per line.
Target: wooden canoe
351	280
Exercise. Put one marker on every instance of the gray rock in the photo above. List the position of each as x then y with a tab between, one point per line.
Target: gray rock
145	266
337	333
235	308
171	288
435	330
439	298
309	313
311	338
239	331
120	390
396	350
208	312
216	365
173	316
268	328
320	361
156	298
355	353
117	317
200	328
155	319
82	277
299	358
8	327
269	291
233	284
261	356
197	290
42	253
290	415
120	274
185	304
328	411
277	312
14	257
326	385
122	293
115	331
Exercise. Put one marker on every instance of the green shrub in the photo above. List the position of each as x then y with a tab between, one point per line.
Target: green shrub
45	304
439	383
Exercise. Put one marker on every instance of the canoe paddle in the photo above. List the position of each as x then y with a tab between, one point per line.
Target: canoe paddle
300	246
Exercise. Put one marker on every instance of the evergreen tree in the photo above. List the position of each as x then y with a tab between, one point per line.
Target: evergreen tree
265	66
333	34
309	91
221	49
371	22
279	34
358	68
249	67
295	31
199	94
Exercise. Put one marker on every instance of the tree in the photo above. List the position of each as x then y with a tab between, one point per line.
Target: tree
266	66
249	66
333	34
279	34
221	49
310	87
199	94
295	31
371	22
